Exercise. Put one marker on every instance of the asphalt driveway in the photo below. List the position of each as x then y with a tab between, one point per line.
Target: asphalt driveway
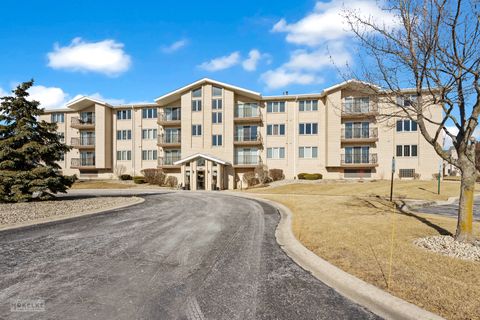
451	209
179	255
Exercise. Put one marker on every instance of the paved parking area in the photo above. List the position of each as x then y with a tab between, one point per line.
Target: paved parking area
451	209
182	255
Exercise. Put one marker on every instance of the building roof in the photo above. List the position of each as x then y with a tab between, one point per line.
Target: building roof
175	94
84	102
201	155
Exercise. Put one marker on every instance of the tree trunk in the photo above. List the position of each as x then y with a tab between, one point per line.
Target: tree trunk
464	231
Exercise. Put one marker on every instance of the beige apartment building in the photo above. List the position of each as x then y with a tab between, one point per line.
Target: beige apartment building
209	133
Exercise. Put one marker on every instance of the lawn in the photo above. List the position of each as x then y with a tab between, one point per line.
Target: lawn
348	225
103	184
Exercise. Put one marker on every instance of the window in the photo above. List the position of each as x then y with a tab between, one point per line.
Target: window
124	134
407	100
308	128
216	104
356	105
275	130
58	117
308	105
124	155
276	106
216	140
62	157
406	125
196	105
276	153
61	136
172	114
197	93
406	173
149	113
149	154
149	134
216	92
307	152
124	114
196	130
216	117
407	150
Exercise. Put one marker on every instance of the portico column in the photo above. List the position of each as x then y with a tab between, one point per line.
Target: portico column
220	176
182	175
193	175
208	174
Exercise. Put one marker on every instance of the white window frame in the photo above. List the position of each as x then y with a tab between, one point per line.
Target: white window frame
217	117
149	134
149	155
217	104
276	153
308	152
196	105
124	155
124	134
306	126
149	113
307	105
124	114
275	106
196	130
276	127
217	140
57	117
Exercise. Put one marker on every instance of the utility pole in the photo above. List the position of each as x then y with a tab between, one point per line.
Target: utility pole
391	181
439	175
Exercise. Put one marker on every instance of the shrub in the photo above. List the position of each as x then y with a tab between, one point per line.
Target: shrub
154	176
261	173
125	177
171	182
250	179
310	176
276	174
301	176
416	176
139	179
119	170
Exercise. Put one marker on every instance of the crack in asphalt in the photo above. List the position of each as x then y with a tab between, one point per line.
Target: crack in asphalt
186	255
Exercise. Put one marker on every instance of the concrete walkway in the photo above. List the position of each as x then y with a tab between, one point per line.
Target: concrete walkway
451	209
179	255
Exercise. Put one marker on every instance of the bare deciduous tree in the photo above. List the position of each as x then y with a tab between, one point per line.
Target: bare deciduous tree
434	49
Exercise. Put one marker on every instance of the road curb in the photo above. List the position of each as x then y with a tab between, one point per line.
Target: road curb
59	219
374	299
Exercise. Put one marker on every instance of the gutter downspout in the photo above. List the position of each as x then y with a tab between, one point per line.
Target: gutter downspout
295	138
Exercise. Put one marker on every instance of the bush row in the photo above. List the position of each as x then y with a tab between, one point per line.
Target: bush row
310	176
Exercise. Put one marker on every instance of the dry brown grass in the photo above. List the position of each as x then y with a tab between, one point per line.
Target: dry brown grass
103	184
412	189
340	224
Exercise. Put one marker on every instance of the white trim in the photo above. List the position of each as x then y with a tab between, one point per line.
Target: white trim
200	155
85	98
207	80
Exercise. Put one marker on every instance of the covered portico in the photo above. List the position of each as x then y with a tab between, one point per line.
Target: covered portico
203	172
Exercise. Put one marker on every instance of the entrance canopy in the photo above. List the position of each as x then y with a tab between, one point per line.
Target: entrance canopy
203	156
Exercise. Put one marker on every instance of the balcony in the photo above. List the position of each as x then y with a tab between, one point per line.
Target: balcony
248	140
356	110
168	161
359	160
82	163
359	135
246	161
83	123
169	140
83	142
169	120
247	115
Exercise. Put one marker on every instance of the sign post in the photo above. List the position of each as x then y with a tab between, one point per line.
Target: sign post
391	182
439	175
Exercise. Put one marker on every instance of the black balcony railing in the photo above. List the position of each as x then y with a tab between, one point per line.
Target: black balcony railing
83	121
168	160
360	133
171	138
358	108
83	141
83	162
248	137
247	159
247	112
369	158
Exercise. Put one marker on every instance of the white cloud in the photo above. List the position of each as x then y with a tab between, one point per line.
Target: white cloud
447	142
318	59
49	97
254	57
327	23
282	77
177	45
107	57
221	63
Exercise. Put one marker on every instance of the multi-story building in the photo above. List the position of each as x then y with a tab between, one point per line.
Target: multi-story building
209	134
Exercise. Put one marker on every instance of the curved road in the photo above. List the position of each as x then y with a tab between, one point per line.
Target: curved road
178	255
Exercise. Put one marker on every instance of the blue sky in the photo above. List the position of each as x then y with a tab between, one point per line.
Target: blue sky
135	51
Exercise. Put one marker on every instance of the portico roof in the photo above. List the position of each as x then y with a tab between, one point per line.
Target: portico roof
201	155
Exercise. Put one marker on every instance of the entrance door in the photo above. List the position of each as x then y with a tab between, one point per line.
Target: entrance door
200	180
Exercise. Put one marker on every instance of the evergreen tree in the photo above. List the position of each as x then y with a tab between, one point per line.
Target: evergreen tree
29	149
